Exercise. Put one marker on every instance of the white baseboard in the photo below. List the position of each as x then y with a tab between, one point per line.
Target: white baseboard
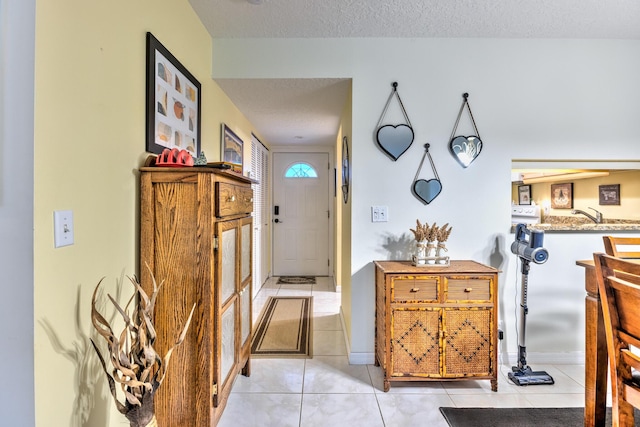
361	359
355	358
563	358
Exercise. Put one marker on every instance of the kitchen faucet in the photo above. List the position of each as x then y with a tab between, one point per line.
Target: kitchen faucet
597	219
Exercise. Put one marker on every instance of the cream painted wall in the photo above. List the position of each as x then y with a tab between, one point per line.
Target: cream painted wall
89	142
343	227
531	99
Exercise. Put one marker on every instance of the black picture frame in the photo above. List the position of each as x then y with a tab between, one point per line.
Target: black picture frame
524	194
173	102
231	147
609	194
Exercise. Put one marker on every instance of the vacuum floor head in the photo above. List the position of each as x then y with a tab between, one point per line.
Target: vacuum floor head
528	377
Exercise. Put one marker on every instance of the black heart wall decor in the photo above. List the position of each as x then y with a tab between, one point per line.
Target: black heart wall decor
426	190
465	149
394	140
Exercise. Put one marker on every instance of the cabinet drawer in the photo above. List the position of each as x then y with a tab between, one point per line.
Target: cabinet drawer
468	289
423	289
233	199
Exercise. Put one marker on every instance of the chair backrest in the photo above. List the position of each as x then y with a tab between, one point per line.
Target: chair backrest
619	288
622	247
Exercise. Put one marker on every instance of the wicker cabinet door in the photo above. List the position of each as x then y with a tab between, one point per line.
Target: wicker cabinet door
467	342
415	343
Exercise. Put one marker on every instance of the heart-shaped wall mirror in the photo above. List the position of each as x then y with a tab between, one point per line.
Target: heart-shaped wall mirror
394	140
465	149
427	190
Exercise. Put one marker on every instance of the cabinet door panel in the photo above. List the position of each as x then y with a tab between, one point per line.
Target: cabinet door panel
467	342
228	344
228	260
415	344
245	315
245	251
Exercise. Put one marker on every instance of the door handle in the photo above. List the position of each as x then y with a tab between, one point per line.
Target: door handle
277	221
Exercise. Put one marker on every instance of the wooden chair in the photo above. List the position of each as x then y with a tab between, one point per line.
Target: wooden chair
619	287
622	247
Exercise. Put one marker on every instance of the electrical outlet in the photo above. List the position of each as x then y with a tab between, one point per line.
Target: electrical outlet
63	228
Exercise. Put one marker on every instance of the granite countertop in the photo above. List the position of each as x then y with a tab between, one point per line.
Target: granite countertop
577	224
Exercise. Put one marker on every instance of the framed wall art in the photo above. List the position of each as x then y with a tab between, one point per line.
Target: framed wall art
562	196
524	194
231	147
609	194
173	102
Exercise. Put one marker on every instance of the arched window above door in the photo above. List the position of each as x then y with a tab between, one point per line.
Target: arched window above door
301	170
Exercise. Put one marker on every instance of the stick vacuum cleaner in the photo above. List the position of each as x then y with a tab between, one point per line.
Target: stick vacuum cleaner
528	250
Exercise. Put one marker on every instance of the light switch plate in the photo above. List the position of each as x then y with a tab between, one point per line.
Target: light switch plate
63	228
379	213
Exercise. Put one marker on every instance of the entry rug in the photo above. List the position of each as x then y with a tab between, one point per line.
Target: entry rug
520	417
284	328
296	280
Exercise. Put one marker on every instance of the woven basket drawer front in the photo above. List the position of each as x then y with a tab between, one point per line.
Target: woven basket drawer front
468	289
467	342
424	289
415	344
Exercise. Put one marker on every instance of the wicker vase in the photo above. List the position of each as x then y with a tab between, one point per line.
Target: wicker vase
143	415
153	422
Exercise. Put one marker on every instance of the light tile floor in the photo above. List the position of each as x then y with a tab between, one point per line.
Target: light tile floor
327	391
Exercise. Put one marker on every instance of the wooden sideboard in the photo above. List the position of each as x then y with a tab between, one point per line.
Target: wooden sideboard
196	237
436	323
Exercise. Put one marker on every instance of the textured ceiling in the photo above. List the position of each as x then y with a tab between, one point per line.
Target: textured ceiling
291	111
284	109
421	18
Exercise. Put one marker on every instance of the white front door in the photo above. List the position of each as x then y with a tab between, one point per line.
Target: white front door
300	214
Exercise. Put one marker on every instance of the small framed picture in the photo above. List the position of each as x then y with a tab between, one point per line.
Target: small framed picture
609	194
231	147
562	196
524	194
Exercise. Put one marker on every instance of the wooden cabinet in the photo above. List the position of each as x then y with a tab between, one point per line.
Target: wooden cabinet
196	237
436	323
